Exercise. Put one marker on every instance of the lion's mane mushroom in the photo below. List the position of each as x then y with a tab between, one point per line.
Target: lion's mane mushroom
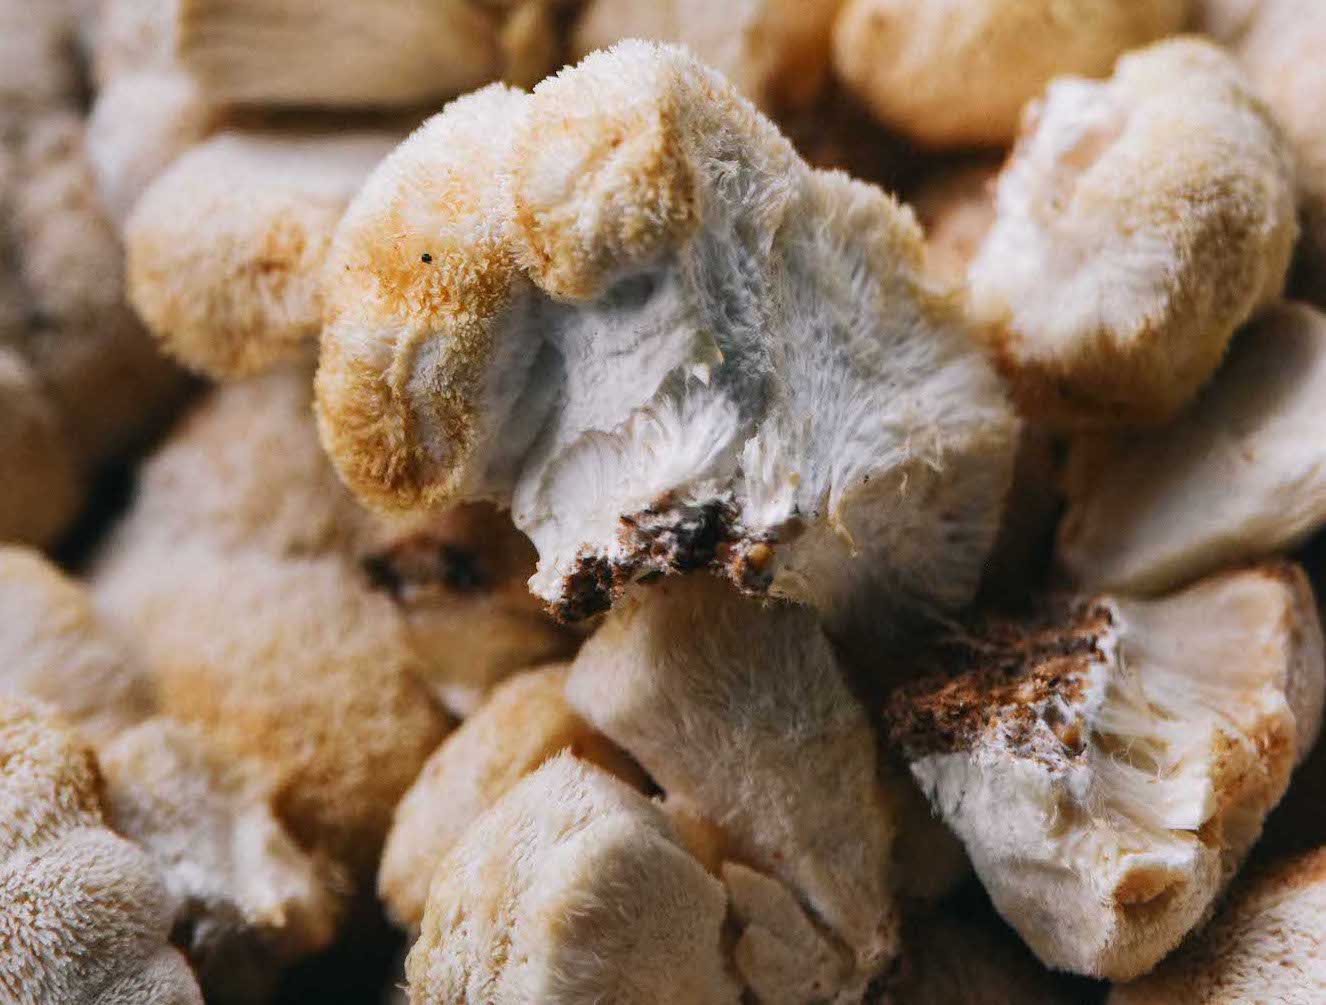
957	72
148	109
226	247
244	897
741	713
623	306
84	918
1267	944
571	888
1281	52
55	648
363	53
1240	475
522	724
1108	773
776	52
247	897
1139	222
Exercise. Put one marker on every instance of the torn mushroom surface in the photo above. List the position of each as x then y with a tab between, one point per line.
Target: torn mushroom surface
84	917
361	53
1240	475
1139	221
776	52
226	247
741	712
1108	773
523	723
1267	943
623	306
956	73
571	888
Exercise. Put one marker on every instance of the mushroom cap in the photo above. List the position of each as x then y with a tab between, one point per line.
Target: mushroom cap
523	723
226	248
622	306
1109	773
958	72
84	917
1138	223
571	889
1267	943
741	712
1240	475
776	52
55	648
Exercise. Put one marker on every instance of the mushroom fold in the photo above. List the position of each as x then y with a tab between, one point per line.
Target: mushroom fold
1109	773
625	308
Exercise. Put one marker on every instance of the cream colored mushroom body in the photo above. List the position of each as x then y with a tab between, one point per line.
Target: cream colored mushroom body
1267	944
226	248
571	889
362	53
1239	476
623	306
1281	52
523	723
1139	222
958	72
741	713
1109	774
84	917
776	52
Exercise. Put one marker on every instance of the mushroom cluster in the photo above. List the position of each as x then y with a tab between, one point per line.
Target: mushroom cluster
657	502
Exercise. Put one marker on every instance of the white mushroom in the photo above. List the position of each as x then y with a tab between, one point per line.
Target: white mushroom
571	889
1109	773
957	72
84	918
1240	475
226	248
741	712
525	722
1139	222
623	306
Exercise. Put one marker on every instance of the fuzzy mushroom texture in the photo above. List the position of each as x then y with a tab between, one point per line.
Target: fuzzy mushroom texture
624	307
1138	223
226	248
363	53
776	52
1267	944
570	889
1239	476
247	898
41	475
1109	772
956	73
1281	52
101	368
741	712
56	649
244	470
524	722
148	109
84	918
